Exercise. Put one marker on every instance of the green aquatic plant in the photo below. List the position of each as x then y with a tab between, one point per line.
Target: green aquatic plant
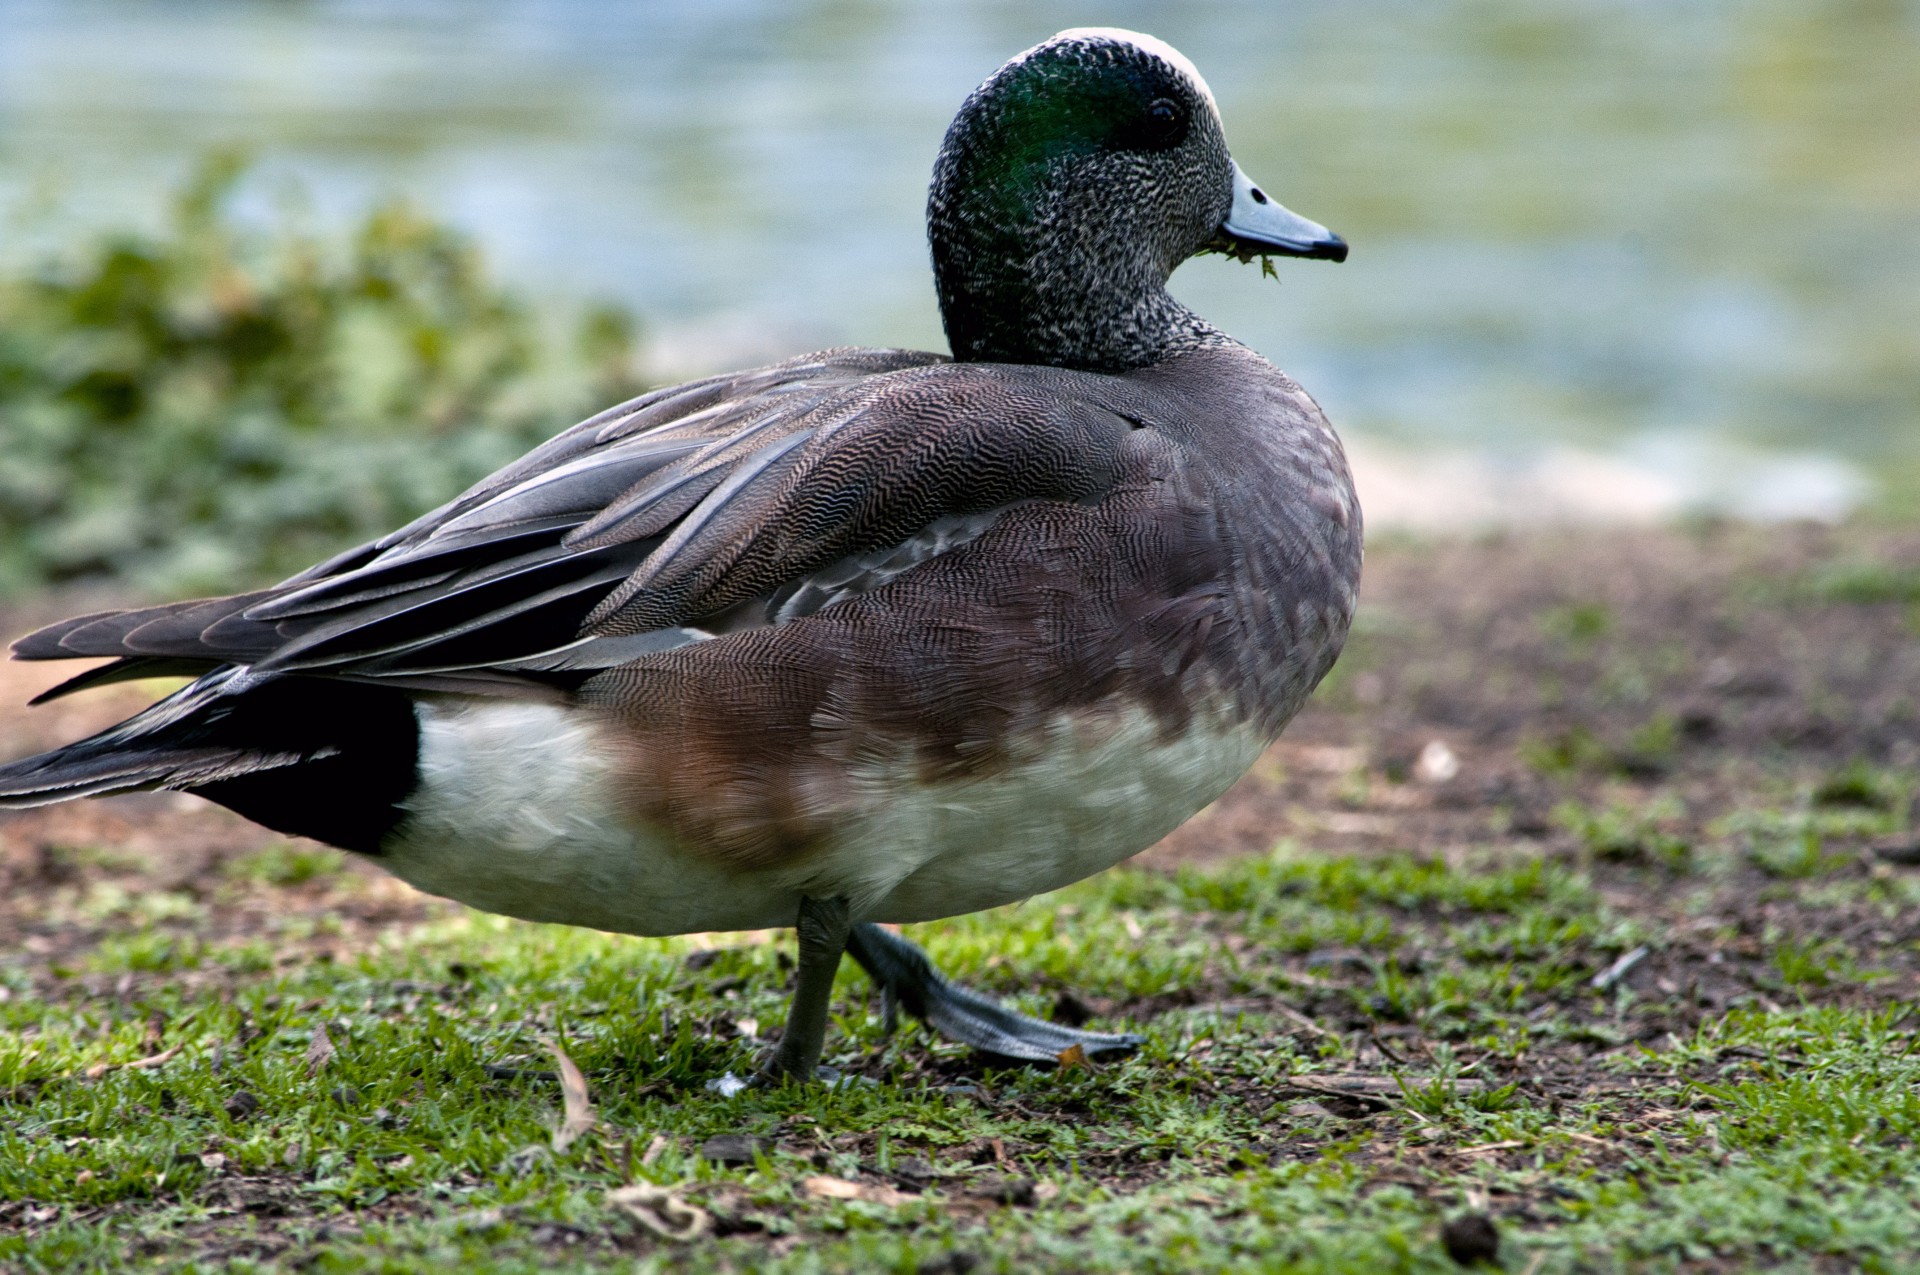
1242	252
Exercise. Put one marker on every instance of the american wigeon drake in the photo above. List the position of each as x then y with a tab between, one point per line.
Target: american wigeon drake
867	636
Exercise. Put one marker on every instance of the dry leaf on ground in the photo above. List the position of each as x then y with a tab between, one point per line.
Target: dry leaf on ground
826	1188
319	1051
661	1210
578	1118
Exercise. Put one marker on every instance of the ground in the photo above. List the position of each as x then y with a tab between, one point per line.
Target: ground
1577	921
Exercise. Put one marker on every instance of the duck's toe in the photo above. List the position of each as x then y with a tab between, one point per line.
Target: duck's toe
907	978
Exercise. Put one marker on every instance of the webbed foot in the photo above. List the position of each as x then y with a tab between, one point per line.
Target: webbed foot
907	978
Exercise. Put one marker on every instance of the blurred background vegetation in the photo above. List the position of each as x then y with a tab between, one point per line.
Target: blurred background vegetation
216	404
1612	260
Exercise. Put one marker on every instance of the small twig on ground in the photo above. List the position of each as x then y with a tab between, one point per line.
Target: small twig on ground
1300	1020
166	1055
1608	978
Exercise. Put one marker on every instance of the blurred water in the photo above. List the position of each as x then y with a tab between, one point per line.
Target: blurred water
1683	235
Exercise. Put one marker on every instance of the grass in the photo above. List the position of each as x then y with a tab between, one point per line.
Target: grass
1641	993
1344	1054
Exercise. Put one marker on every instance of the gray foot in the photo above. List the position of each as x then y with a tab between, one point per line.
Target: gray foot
907	978
822	930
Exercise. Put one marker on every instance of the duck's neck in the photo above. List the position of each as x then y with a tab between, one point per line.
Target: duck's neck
1013	316
1019	286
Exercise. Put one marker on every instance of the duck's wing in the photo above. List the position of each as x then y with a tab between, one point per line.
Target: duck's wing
733	501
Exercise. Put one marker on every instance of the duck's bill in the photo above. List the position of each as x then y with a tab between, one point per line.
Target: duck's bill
1258	225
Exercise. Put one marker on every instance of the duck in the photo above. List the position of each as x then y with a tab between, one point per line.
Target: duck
866	637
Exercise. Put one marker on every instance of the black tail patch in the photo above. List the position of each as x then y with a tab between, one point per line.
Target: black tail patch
313	757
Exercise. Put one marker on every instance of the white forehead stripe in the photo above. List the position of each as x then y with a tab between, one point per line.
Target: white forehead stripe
1150	44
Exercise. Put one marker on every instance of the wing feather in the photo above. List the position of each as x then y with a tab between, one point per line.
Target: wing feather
755	498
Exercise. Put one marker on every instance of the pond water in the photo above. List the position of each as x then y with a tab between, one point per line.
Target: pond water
1682	240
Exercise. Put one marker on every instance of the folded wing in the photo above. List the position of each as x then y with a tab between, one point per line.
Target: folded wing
724	503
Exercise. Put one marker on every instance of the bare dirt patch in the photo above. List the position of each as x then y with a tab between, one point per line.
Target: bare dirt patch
1589	665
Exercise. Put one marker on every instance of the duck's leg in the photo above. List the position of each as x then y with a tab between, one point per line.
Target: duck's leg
822	929
907	978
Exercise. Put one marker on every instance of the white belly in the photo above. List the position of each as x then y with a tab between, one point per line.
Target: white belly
515	813
1086	801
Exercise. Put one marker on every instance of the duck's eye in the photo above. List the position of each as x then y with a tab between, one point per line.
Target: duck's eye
1166	123
1160	125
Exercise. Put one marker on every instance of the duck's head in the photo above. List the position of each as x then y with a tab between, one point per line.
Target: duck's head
1071	185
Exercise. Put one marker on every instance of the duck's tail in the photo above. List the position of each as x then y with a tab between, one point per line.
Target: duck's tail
314	757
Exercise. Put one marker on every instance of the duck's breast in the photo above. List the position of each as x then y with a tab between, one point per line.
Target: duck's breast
1084	793
518	811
